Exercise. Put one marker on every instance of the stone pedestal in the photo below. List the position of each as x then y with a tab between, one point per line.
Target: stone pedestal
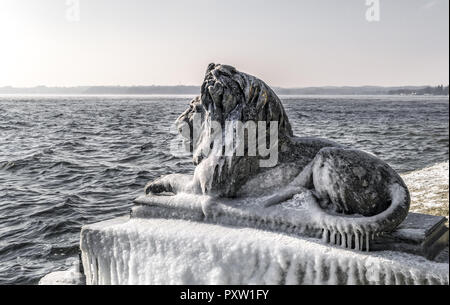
420	234
170	251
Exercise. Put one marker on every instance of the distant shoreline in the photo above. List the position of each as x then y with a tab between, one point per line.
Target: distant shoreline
194	90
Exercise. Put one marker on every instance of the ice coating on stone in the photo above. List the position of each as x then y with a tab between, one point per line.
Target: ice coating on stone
225	143
161	251
213	159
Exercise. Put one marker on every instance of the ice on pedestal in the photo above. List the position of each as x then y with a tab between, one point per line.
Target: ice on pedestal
170	251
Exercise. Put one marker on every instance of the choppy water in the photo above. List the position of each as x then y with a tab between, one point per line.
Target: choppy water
68	161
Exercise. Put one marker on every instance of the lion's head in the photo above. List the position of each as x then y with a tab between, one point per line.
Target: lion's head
229	95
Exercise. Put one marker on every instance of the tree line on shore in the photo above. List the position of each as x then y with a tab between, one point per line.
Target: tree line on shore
438	90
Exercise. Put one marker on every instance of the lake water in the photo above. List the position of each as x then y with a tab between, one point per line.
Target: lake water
68	161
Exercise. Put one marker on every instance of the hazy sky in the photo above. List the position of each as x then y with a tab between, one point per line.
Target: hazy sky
287	43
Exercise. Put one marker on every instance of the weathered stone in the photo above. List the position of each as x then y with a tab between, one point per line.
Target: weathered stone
344	176
347	184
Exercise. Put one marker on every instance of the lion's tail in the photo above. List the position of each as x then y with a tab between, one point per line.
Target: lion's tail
355	232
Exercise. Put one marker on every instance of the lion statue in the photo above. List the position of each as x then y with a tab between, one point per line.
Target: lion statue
354	190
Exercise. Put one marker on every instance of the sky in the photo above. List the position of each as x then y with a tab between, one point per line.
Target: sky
287	43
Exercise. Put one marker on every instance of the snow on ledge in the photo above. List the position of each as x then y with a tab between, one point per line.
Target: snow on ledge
429	189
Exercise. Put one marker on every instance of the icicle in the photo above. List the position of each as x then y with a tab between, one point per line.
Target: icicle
325	235
343	240
367	241
357	241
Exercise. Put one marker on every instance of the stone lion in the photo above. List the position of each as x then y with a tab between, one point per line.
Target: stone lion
354	189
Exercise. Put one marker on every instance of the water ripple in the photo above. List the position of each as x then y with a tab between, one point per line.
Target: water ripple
69	161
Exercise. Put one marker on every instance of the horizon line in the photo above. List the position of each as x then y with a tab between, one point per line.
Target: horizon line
184	85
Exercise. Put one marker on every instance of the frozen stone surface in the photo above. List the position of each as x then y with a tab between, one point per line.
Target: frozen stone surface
419	234
168	251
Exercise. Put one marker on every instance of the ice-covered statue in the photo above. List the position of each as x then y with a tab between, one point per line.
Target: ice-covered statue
249	162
